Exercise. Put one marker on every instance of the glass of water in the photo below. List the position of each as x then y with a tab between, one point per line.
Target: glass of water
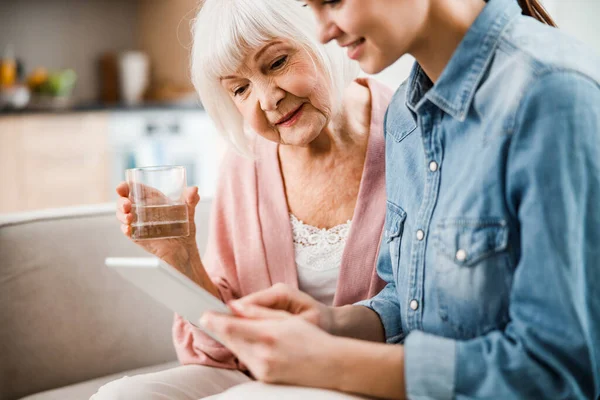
158	203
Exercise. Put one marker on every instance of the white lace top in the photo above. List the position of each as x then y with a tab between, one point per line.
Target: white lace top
318	254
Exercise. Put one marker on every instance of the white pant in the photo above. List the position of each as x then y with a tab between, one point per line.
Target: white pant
193	382
187	382
264	391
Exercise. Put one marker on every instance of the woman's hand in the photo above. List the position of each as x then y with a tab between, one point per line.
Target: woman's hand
280	348
287	349
350	321
282	300
178	252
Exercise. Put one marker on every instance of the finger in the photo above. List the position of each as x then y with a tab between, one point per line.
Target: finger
147	194
123	218
276	297
124	205
126	229
257	312
313	316
233	330
192	198
123	189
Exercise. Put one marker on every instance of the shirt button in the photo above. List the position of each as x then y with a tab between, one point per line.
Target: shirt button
420	235
414	305
461	255
433	166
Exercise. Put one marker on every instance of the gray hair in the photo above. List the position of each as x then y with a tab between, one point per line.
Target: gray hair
225	31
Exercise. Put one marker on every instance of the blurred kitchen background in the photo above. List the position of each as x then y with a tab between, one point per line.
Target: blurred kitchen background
89	88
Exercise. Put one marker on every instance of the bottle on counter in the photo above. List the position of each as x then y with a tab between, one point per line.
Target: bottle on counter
8	68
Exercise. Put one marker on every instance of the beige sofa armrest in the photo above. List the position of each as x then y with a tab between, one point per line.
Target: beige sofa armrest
64	316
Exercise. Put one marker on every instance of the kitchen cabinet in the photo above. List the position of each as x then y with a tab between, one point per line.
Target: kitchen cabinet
10	189
50	160
59	160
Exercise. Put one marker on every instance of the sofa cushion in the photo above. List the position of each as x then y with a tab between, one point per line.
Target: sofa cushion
65	317
83	390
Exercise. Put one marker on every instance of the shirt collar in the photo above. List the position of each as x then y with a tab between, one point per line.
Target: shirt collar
455	89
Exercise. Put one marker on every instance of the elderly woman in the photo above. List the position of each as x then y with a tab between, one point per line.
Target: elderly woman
302	199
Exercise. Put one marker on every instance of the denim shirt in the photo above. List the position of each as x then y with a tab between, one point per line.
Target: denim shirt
491	250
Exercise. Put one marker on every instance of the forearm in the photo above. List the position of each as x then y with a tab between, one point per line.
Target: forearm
371	369
357	322
190	264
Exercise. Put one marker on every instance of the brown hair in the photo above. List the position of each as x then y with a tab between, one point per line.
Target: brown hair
533	8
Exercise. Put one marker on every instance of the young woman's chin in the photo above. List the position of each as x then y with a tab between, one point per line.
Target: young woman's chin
373	64
370	68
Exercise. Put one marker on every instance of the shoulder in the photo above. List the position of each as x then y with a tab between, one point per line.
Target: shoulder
234	163
541	74
236	171
239	172
559	117
356	109
372	98
561	93
375	92
359	89
542	48
357	96
236	186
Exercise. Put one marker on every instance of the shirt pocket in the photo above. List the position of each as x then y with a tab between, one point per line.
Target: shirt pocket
395	219
401	127
473	274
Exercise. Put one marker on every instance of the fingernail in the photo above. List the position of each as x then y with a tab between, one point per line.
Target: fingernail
204	320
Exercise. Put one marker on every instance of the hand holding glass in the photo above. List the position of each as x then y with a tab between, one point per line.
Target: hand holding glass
158	203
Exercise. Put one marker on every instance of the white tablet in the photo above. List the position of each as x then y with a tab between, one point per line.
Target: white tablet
168	286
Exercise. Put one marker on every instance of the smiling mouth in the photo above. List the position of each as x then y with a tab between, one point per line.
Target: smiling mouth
353	45
288	117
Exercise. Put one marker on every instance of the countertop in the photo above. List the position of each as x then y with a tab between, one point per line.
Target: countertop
99	107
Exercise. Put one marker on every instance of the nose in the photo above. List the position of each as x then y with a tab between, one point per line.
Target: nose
328	31
270	97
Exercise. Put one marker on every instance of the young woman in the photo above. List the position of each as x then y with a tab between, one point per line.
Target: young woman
492	233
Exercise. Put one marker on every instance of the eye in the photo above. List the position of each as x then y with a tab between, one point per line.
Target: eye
240	90
279	63
324	3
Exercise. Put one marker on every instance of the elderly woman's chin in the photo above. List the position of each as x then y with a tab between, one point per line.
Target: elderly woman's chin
299	140
303	133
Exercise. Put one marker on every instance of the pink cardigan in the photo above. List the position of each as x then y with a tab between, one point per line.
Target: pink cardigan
250	244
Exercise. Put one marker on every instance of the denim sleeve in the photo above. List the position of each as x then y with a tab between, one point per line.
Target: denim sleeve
551	346
385	303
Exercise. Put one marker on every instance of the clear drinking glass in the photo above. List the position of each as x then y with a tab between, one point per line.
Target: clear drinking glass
158	204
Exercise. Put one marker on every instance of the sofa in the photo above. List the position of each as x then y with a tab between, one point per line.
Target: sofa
69	324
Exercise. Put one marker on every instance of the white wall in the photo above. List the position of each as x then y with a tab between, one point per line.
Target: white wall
394	75
579	18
